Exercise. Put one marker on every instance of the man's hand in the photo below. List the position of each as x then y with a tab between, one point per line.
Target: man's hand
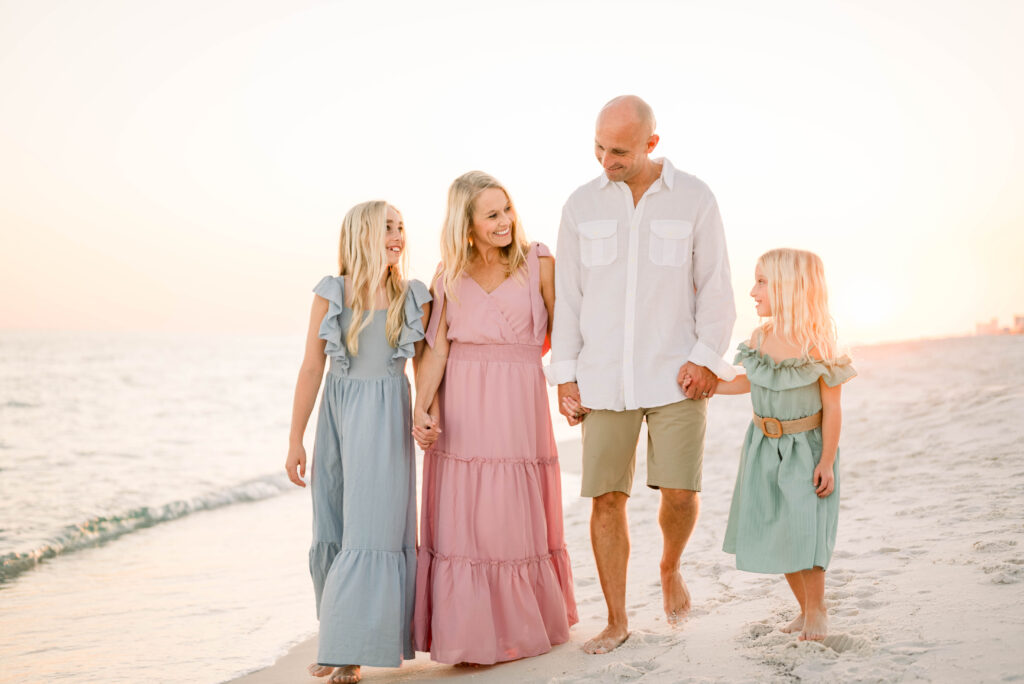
701	383
569	404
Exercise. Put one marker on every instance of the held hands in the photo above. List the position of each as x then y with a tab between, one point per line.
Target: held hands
697	382
426	427
569	404
824	479
295	464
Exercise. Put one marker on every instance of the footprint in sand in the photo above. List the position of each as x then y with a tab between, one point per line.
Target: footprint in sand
756	630
1010	572
844	643
994	546
643	638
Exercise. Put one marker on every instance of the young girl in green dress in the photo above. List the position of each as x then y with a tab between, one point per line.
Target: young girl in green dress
785	506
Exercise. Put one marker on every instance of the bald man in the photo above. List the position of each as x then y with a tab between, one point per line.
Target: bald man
642	300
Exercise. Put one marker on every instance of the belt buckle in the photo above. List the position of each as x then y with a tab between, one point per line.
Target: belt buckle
776	425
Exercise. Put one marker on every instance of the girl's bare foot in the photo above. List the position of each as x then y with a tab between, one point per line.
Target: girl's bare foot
607	641
346	674
676	597
318	670
815	626
795	626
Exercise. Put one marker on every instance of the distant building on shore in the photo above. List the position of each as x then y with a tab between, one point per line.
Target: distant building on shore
993	328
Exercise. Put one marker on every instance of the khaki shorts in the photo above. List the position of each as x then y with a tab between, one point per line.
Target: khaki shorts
675	447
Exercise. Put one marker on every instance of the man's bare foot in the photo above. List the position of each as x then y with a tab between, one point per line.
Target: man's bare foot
346	674
607	641
318	670
676	597
815	626
795	626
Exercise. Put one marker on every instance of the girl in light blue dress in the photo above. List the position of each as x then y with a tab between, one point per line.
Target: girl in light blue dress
785	507
368	320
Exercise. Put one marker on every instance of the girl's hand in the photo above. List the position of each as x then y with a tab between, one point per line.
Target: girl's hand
824	479
573	410
295	464
426	428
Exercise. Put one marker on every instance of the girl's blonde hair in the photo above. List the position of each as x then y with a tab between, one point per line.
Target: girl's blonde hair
456	247
799	301
362	257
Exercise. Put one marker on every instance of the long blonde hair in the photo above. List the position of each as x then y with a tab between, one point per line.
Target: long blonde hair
798	298
362	257
456	250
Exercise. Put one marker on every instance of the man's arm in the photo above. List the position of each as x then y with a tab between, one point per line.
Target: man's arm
715	307
566	338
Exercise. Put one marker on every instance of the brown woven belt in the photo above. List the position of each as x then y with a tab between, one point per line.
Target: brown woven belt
775	428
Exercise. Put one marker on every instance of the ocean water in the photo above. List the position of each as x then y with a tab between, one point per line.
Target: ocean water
147	529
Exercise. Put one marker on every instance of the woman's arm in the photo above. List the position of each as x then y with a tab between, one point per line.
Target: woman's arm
429	366
547	291
831	421
311	373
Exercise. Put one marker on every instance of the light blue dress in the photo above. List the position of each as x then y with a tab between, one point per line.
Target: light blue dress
777	523
363	556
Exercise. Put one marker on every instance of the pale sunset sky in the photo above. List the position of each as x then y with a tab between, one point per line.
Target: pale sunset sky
184	166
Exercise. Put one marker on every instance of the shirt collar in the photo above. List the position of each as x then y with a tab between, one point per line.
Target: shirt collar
667	177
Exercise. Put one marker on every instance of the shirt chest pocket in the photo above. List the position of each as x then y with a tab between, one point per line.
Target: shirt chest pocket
670	242
599	242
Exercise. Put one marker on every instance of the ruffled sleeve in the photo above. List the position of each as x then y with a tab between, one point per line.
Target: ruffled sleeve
332	288
435	311
412	328
791	373
540	312
840	371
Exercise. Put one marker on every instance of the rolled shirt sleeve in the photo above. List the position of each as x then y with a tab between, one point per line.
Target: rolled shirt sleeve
715	307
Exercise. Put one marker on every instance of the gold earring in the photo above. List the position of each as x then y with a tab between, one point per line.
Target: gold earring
471	241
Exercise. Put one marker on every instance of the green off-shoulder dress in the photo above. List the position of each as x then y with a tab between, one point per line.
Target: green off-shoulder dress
777	524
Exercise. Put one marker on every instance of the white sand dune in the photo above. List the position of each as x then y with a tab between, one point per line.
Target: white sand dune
926	582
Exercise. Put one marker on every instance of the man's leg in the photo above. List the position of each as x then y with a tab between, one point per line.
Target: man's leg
609	535
678	516
675	452
609	456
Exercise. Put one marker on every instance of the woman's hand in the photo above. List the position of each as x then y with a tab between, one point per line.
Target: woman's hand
824	479
426	427
295	464
569	404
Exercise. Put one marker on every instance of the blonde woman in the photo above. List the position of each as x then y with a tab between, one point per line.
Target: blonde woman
785	507
368	320
493	580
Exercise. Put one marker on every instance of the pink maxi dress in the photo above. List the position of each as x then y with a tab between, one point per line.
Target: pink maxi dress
493	578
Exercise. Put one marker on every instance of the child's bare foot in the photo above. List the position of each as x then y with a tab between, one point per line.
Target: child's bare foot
676	597
346	674
318	670
795	626
607	641
815	626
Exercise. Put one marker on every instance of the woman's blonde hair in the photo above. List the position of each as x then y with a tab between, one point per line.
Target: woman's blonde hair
799	301
456	247
363	258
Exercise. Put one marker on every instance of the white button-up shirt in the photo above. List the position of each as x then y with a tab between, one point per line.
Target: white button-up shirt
639	291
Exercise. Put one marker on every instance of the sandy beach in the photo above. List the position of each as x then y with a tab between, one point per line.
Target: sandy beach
925	584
